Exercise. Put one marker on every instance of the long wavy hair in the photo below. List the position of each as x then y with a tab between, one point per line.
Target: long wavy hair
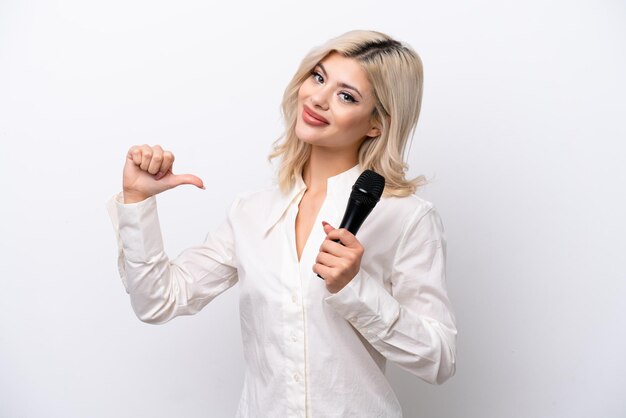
395	72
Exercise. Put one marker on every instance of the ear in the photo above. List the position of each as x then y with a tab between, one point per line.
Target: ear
375	128
373	132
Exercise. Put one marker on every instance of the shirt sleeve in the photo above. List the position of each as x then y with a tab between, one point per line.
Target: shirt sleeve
414	326
159	288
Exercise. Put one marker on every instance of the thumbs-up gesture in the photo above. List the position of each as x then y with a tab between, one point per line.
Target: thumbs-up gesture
148	171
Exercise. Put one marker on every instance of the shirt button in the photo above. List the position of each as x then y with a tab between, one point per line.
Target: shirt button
294	298
353	319
296	377
293	338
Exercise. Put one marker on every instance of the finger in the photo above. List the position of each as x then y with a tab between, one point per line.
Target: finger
327	227
166	165
346	237
178	179
327	230
157	158
146	157
160	174
323	271
334	248
328	260
134	153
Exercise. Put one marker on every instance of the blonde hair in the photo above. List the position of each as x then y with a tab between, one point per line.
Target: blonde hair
396	75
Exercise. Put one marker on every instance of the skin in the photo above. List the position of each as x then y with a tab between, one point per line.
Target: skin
148	171
334	149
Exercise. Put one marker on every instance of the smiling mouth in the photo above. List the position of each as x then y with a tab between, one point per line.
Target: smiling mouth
312	118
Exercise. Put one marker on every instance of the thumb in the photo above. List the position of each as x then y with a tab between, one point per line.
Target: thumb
342	235
327	227
178	179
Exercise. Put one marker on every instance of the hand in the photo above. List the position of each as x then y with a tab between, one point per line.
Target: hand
337	263
148	171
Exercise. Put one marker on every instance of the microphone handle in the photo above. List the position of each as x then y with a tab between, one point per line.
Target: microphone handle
355	215
353	218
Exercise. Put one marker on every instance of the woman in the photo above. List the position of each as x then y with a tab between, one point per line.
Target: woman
313	347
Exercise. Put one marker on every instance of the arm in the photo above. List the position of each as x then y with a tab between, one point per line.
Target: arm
414	326
159	288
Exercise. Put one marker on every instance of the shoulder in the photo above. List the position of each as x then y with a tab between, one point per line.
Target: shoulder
399	219
419	219
407	209
422	223
257	201
250	197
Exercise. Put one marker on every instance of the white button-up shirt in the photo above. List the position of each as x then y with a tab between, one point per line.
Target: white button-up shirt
309	353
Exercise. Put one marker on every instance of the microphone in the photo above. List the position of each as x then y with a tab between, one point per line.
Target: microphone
366	192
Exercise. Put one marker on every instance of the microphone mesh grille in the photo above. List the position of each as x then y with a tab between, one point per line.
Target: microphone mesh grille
369	187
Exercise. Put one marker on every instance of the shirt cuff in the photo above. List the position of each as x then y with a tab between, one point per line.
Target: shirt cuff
367	305
138	227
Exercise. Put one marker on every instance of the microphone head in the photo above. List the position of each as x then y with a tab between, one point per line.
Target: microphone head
368	188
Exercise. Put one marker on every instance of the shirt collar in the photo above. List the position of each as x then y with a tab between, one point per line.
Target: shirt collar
338	190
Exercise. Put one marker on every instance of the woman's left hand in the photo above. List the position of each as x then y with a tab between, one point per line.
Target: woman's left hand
337	263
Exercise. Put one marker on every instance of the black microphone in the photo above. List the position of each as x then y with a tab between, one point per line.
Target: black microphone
366	192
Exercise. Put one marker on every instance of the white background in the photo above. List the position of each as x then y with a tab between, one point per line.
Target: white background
521	134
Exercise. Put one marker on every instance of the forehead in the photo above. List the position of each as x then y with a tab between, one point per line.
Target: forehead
346	70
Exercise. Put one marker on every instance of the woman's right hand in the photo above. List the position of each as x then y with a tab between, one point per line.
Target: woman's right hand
148	171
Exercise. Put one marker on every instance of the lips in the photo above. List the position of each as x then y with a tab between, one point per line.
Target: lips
312	115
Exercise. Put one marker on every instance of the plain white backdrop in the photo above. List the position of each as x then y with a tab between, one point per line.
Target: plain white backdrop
521	134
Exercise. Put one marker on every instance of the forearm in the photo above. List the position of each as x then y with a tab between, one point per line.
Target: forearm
420	344
146	268
159	288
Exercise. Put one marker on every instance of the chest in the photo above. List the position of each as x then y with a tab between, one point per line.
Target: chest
270	261
308	210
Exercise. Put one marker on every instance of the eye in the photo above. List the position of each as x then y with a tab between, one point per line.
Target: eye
347	97
317	76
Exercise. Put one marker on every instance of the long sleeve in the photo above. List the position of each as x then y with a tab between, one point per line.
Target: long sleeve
159	288
414	326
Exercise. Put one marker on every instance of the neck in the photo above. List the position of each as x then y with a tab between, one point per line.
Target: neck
324	163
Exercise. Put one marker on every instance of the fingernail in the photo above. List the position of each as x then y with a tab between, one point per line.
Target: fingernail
325	223
203	188
159	175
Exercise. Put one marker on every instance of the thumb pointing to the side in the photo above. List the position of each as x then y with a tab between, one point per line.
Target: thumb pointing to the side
174	180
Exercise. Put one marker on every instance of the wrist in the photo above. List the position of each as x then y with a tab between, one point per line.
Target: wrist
130	197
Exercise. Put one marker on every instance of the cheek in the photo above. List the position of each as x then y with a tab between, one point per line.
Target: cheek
304	90
355	121
300	94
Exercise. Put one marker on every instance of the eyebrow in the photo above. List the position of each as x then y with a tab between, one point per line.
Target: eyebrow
348	86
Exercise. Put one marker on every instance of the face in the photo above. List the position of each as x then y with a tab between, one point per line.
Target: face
335	105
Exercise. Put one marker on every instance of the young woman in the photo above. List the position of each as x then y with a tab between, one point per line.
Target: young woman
313	348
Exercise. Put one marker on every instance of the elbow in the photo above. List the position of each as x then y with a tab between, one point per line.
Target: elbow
445	372
447	361
431	367
443	359
152	314
437	372
150	319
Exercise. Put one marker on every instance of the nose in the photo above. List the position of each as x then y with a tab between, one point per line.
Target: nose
319	98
